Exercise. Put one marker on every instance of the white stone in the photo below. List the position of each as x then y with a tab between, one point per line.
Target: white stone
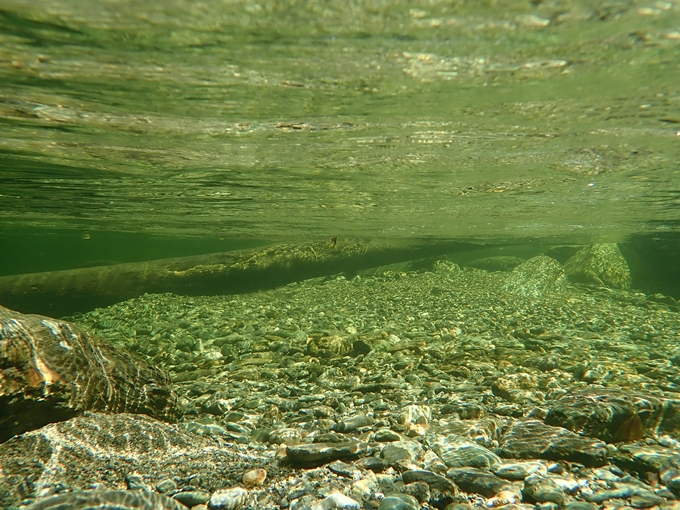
337	500
228	499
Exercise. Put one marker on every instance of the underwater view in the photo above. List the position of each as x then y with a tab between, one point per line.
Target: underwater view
359	255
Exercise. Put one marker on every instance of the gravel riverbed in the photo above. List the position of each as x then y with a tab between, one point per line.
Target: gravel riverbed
438	388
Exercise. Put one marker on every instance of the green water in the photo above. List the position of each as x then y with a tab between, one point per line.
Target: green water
36	250
490	120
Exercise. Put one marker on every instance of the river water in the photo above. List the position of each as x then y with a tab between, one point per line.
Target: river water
347	133
493	121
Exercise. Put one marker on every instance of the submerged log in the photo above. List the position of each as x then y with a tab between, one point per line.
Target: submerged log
58	293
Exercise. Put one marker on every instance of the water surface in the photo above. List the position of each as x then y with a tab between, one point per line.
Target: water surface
493	120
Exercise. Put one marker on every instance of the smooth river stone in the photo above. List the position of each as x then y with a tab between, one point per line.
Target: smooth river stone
519	470
476	481
52	370
615	414
532	439
434	480
323	453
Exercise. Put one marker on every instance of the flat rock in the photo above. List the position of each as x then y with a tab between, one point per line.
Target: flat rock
52	370
645	457
533	439
613	414
477	481
102	449
322	453
434	480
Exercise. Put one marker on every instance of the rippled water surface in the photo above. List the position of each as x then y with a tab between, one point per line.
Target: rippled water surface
283	119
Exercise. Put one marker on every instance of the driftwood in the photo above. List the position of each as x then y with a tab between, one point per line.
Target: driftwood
58	293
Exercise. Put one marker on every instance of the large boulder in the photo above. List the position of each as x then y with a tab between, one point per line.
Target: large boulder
599	264
52	370
537	277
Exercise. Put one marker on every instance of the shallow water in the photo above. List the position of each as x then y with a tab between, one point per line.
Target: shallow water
136	131
284	120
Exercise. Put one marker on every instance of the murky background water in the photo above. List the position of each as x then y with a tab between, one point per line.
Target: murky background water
496	121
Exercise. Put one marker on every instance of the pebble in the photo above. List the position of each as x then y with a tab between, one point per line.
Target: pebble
365	488
343	469
547	505
542	489
431	479
458	452
375	464
399	453
322	453
671	478
386	435
477	481
337	500
254	477
135	481
504	498
602	496
453	392
519	470
285	435
192	498
228	499
580	505
419	490
352	423
645	500
399	502
166	485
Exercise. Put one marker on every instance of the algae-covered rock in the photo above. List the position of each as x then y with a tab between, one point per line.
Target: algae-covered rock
601	264
535	278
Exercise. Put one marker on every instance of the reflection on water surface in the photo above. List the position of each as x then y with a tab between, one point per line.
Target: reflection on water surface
278	120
